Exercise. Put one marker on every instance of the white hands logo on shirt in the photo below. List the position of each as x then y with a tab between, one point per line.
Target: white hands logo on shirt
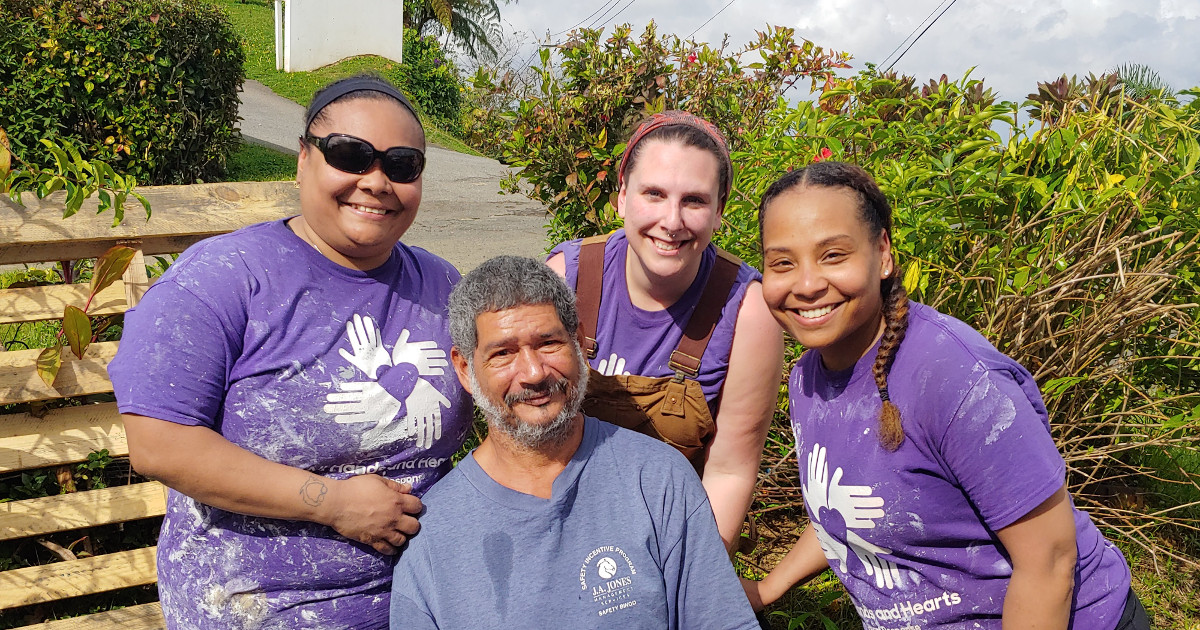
370	402
613	365
887	574
858	509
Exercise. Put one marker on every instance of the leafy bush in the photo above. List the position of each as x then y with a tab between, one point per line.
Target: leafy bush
430	78
569	134
148	87
1070	243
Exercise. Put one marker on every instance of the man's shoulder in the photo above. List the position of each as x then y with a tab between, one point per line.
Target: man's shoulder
448	494
639	452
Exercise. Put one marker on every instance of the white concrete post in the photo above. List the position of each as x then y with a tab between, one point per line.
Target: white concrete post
279	41
317	32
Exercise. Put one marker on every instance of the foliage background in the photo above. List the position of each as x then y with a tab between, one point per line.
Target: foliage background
1063	228
148	87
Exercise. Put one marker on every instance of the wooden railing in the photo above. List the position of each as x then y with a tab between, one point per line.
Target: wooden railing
64	436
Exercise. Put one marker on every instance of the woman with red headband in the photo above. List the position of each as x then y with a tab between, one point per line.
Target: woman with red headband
681	343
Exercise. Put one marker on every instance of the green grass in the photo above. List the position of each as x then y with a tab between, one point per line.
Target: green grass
27	335
255	22
253	163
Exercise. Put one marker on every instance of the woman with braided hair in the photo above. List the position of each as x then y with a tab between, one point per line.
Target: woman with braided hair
933	487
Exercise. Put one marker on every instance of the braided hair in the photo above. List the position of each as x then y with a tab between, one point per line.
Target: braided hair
875	211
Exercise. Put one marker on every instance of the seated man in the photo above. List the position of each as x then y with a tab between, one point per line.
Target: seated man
556	520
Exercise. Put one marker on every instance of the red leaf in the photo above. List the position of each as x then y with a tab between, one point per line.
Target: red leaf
110	266
78	330
48	363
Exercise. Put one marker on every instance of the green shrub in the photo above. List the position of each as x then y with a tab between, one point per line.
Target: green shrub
430	78
568	136
149	87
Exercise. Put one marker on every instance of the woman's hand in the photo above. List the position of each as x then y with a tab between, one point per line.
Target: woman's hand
373	510
202	464
753	593
804	562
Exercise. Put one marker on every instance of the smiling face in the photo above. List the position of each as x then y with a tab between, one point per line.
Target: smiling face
526	374
671	205
356	220
821	272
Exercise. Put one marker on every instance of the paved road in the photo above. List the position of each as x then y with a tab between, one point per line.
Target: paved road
463	216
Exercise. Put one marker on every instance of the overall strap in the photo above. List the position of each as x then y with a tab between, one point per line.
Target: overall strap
589	283
685	360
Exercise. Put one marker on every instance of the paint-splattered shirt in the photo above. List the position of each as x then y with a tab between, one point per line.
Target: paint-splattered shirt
912	533
292	357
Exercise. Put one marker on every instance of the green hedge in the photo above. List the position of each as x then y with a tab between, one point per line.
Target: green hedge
430	78
148	86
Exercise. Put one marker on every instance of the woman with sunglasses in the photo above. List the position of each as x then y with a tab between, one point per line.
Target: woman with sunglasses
681	344
289	383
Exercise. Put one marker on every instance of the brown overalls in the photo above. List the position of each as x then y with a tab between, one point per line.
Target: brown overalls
671	408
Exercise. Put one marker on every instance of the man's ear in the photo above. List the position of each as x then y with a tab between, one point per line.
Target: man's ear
460	368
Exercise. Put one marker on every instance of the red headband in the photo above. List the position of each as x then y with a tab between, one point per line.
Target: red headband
671	118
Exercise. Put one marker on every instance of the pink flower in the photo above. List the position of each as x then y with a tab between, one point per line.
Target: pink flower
691	57
825	154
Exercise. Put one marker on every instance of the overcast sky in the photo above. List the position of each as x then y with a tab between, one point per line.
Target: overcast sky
1012	44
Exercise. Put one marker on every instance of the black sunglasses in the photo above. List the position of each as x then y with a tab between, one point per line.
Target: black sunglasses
402	165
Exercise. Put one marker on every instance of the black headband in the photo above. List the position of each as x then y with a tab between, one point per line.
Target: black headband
355	84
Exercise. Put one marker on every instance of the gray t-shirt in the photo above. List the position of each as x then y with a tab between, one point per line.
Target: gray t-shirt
627	540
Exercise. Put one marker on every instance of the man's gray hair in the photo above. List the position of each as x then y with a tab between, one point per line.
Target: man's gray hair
502	283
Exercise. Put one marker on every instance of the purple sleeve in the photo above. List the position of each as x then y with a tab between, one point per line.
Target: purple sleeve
175	356
570	252
999	448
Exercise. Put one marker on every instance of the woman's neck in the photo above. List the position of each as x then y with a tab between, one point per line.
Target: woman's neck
843	356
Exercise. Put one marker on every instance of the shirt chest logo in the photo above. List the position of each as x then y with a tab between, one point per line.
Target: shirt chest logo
390	387
607	579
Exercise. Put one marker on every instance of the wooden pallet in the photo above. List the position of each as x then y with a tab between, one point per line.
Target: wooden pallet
37	233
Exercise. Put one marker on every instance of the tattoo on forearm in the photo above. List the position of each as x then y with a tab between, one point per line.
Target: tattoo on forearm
313	491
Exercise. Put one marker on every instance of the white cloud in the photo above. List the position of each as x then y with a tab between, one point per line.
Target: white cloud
1012	44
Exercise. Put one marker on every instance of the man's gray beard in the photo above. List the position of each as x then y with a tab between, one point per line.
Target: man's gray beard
533	436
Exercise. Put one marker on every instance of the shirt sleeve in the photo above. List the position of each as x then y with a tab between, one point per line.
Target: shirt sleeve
999	448
407	614
702	589
175	356
409	610
570	252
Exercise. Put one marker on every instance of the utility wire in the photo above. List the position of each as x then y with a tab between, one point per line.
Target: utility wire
602	7
914	32
608	18
714	16
894	62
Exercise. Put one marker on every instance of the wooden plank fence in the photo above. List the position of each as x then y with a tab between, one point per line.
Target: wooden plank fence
36	233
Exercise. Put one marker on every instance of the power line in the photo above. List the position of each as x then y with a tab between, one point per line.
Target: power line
914	31
593	14
614	18
714	16
914	42
605	19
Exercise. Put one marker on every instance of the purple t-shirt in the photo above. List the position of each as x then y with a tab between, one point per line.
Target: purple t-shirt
911	533
258	336
630	340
